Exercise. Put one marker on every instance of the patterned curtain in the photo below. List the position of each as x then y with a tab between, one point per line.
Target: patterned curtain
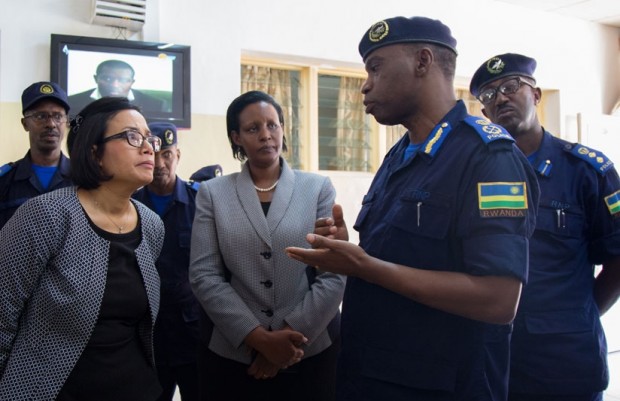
277	83
353	133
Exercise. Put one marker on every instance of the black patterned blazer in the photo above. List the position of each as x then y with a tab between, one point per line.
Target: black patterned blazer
231	236
53	270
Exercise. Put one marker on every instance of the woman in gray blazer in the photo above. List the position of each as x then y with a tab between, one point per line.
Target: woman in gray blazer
79	291
267	315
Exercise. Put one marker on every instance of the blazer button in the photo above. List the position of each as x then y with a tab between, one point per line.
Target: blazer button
266	255
268	312
267	284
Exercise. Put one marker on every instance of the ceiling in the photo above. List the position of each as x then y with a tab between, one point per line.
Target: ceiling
602	11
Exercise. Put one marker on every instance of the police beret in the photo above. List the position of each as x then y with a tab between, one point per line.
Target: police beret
167	132
206	173
501	66
406	30
44	90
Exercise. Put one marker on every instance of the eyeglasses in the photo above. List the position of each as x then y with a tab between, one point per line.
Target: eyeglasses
506	88
42	117
136	139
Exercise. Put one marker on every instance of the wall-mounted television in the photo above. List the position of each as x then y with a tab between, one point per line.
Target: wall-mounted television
155	76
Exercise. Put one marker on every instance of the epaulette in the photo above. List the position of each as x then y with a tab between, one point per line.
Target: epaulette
194	185
596	159
488	131
6	168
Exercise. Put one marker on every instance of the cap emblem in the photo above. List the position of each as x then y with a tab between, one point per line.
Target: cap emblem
169	136
495	65
46	89
378	31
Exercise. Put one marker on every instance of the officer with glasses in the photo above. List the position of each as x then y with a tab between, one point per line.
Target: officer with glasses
45	167
558	349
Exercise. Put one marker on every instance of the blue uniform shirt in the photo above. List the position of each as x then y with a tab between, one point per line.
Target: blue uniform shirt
558	345
176	330
445	208
20	183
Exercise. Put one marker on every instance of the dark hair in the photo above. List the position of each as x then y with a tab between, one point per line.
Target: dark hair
83	142
235	109
115	64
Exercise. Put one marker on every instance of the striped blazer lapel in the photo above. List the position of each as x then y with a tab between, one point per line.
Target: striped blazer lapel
282	197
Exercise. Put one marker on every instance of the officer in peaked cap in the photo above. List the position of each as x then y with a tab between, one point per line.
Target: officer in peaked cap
430	222
558	349
44	167
176	329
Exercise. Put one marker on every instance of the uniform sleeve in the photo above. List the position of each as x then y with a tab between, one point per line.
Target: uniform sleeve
26	244
605	220
207	275
499	213
320	304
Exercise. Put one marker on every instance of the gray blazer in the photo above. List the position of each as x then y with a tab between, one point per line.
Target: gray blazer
232	236
53	270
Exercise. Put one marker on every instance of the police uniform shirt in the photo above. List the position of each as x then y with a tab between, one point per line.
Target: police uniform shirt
20	183
435	211
176	330
558	345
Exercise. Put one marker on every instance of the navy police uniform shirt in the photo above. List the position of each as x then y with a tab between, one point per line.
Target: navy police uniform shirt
18	183
176	330
558	345
464	202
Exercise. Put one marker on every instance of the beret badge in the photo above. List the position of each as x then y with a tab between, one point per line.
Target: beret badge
46	89
378	31
495	65
169	136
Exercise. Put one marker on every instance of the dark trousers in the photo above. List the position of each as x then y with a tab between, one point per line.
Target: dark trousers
184	376
312	379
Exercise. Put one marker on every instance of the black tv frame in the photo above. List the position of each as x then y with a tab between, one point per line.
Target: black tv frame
180	114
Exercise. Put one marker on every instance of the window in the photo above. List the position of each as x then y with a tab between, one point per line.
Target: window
345	131
285	86
326	127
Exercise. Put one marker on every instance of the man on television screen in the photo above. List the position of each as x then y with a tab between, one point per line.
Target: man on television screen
115	78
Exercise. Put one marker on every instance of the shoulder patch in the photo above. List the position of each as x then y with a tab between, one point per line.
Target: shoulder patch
596	159
6	168
488	131
613	203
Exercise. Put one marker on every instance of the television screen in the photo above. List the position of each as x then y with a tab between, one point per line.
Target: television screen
155	76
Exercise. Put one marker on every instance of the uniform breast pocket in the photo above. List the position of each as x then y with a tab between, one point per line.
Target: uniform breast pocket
567	223
366	206
427	218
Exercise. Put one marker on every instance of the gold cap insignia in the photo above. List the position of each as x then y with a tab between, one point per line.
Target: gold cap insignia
169	136
495	65
46	89
378	31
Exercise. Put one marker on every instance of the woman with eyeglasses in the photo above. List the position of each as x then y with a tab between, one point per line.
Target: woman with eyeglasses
79	291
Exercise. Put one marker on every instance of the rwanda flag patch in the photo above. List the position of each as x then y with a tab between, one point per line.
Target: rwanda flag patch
502	199
613	203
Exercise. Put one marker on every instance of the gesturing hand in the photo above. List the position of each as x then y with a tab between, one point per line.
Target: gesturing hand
332	227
